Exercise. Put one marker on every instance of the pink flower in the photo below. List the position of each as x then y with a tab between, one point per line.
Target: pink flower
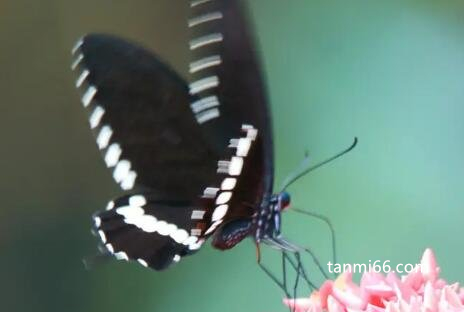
419	291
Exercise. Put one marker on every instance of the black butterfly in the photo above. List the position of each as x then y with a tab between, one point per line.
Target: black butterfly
196	160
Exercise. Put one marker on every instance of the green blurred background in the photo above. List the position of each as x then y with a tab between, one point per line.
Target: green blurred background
389	72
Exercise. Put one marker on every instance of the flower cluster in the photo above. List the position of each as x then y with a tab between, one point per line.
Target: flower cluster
420	291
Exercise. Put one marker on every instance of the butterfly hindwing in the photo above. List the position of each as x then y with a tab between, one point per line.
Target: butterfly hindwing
226	79
144	228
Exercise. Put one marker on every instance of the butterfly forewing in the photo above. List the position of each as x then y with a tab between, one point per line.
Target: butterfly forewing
225	78
138	109
224	70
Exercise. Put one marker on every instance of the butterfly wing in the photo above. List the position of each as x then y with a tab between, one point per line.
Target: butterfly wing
225	73
150	230
225	78
162	139
139	113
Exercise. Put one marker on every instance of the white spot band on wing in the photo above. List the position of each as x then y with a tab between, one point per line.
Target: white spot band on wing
223	198
129	181
198	214
210	192
203	84
88	95
130	211
207	115
85	73
243	147
195	232
205	40
96	116
137	200
110	248
110	205
142	262
228	184
204	103
77	45
197	245
135	215
121	170
204	63
180	236
208	17
195	3
121	256
219	212
112	155
102	236
213	227
77	61
223	166
104	136
236	165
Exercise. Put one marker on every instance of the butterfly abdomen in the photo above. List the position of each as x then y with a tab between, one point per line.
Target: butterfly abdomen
232	233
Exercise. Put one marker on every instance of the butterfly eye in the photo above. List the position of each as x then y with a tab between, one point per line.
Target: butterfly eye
284	198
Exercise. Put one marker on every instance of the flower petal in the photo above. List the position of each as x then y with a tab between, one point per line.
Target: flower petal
430	297
298	304
429	268
419	291
415	280
451	297
334	306
402	291
347	292
324	292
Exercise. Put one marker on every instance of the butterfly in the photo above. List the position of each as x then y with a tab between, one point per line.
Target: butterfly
194	159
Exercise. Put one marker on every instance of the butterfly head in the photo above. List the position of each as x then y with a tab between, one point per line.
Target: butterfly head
284	200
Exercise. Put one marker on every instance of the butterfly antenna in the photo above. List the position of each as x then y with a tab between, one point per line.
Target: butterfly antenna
305	168
326	220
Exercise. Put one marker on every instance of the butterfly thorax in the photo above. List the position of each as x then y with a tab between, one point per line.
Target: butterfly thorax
268	219
266	223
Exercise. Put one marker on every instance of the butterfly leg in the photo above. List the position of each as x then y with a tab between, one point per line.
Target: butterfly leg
282	285
297	265
326	220
285	242
287	248
284	269
285	258
302	270
297	278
